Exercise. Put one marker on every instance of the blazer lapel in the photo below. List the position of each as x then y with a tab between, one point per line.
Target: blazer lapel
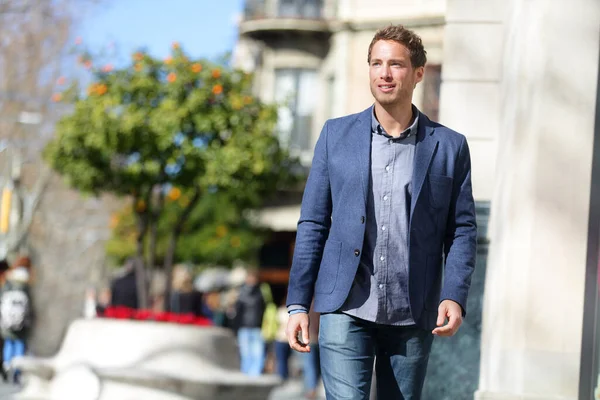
425	148
360	137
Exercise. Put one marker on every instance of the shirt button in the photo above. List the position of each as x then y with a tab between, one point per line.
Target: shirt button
385	198
383	228
387	168
380	286
362	220
382	258
356	252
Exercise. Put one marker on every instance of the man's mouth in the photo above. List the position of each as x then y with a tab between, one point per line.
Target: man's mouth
387	88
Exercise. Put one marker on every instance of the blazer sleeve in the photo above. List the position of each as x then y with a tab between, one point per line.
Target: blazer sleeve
313	228
460	244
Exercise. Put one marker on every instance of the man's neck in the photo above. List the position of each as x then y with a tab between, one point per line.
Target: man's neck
394	118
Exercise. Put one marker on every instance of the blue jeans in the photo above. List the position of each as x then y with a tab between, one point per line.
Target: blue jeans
349	347
282	358
13	348
312	368
252	351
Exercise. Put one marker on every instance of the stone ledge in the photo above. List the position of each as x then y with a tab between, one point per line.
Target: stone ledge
487	395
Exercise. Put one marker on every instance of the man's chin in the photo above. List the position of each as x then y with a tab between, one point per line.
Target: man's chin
386	101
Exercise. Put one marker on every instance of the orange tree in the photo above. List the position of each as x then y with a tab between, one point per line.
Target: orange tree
154	125
216	231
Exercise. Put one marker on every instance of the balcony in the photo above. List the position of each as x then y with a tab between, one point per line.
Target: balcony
274	17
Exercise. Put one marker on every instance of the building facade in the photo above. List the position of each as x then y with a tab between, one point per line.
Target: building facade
520	79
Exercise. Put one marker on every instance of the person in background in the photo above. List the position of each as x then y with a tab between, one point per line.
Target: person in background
4	267
95	304
124	287
282	348
249	310
25	262
16	316
184	298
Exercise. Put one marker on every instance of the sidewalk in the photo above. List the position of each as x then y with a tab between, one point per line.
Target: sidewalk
291	390
6	391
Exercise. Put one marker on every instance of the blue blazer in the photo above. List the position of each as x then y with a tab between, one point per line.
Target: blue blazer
331	229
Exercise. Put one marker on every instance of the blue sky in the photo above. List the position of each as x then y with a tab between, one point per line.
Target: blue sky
204	28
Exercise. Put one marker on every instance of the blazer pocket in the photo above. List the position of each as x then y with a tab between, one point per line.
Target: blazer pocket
328	269
440	190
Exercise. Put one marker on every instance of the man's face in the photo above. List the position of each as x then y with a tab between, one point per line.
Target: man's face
391	74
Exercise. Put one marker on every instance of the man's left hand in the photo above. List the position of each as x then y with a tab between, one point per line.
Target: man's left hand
453	312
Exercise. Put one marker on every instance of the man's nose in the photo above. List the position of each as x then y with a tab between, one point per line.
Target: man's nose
386	73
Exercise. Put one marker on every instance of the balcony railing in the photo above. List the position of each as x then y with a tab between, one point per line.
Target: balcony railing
289	9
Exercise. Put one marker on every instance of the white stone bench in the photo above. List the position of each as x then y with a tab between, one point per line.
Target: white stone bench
169	361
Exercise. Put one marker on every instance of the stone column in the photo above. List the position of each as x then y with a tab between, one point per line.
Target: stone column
533	302
471	74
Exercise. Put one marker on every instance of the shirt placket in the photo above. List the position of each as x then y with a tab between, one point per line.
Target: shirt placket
384	229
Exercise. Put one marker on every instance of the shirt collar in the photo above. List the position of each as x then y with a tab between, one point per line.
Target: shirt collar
411	130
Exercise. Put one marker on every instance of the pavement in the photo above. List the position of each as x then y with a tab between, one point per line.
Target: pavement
291	390
6	391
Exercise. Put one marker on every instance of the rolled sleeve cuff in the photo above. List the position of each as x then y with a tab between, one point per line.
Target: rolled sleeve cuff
296	308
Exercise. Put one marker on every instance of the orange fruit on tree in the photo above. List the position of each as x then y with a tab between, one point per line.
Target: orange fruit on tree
101	89
56	97
197	67
107	68
174	194
138	56
172	77
217	89
216	73
137	67
169	60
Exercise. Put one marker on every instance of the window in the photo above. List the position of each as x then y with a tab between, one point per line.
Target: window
300	8
295	91
431	91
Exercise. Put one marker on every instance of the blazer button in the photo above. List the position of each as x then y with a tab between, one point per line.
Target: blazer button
356	252
362	220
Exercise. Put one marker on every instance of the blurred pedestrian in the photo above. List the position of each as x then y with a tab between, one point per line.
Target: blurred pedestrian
185	299
281	345
4	267
249	310
16	316
123	289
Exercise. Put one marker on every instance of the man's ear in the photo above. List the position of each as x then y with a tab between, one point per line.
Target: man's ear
419	72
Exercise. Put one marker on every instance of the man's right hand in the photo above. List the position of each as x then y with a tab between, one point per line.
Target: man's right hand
298	323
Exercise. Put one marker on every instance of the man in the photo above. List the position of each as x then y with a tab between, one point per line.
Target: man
388	196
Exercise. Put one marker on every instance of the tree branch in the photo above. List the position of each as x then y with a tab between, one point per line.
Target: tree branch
14	242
